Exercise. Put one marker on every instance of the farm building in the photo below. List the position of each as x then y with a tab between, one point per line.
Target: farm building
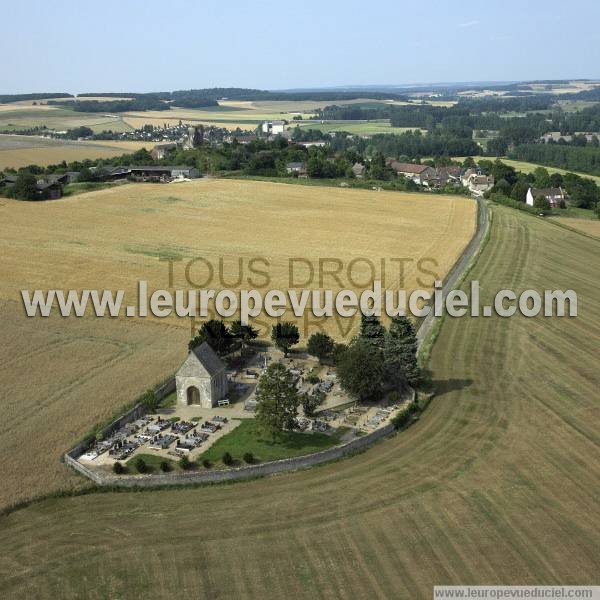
201	379
49	190
554	196
420	174
150	173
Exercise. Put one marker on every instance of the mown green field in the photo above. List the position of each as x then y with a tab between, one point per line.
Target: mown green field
248	437
497	483
366	128
527	167
25	117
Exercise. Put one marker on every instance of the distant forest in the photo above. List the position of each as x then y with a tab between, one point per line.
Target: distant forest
7	98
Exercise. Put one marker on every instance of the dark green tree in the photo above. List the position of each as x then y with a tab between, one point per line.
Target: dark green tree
320	345
400	352
360	369
541	203
185	463
310	402
216	334
140	465
25	187
278	400
285	335
372	331
244	333
519	191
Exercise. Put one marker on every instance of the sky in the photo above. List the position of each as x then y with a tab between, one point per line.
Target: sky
150	45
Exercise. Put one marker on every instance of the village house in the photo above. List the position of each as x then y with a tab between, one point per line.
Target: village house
451	173
295	167
244	138
273	127
557	136
316	144
420	174
478	184
201	379
554	196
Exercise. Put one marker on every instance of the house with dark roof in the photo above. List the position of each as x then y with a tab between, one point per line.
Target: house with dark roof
420	174
201	379
554	196
49	190
295	167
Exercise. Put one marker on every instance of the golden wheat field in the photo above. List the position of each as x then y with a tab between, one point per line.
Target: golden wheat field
496	484
18	151
62	376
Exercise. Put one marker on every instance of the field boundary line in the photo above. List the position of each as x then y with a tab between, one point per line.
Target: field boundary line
461	267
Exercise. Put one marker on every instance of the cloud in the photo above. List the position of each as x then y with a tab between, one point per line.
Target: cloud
469	24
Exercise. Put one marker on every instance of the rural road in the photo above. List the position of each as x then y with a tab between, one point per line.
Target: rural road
460	265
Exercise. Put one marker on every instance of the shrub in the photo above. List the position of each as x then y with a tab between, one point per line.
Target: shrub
149	401
165	466
206	463
227	459
312	378
118	468
248	457
320	345
401	419
140	465
185	463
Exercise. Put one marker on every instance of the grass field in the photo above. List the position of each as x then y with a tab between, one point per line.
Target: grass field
368	128
23	117
61	377
19	151
527	167
496	484
230	114
589	226
247	437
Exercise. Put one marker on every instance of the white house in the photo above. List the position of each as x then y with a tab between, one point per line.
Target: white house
202	378
479	184
273	127
554	196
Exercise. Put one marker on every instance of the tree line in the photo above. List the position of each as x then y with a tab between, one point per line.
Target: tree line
585	159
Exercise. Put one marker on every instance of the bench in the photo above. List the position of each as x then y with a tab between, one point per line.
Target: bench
223	402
